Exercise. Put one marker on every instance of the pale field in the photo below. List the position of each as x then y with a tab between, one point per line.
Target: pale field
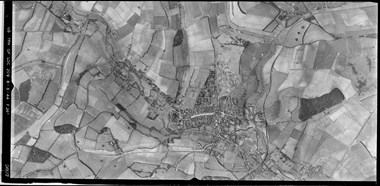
94	161
91	134
35	22
124	44
31	167
294	79
75	166
21	75
119	129
100	101
198	35
186	164
125	98
355	166
49	122
28	111
143	167
171	174
88	55
81	98
202	59
358	111
157	124
354	17
368	135
85	80
247	5
141	38
292	103
278	79
182	145
46	139
199	78
63	146
87	5
201	45
21	17
114	169
159	39
326	18
134	5
335	115
18	38
349	128
97	40
149	156
247	21
200	157
139	109
192	13
64	171
216	170
116	17
101	119
155	52
186	77
167	70
345	85
48	22
174	157
71	116
321	84
289	147
108	86
129	174
30	48
316	33
349	20
284	59
268	65
296	33
138	140
370	103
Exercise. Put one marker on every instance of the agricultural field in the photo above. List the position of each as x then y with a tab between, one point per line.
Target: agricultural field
171	90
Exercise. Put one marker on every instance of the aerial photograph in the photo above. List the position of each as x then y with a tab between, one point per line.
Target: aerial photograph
205	90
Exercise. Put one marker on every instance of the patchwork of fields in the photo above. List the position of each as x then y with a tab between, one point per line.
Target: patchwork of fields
170	90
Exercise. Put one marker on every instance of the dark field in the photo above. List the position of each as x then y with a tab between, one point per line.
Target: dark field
16	96
37	155
311	107
24	140
24	90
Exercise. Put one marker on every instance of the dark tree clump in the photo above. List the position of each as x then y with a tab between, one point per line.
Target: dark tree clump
178	38
65	129
311	107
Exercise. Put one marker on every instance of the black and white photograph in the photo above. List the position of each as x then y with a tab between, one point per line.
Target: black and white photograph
189	92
